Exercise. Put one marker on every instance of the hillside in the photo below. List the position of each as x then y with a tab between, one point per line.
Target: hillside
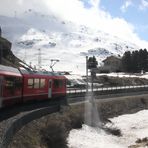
6	55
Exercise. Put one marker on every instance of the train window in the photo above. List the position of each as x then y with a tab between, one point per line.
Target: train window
18	83
58	83
13	82
42	83
36	83
30	83
9	82
9	85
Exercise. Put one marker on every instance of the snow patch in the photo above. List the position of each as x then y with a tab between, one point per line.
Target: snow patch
132	126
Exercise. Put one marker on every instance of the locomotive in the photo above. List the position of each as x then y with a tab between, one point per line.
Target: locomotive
21	85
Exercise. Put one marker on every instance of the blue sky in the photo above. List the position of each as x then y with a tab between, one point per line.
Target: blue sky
134	12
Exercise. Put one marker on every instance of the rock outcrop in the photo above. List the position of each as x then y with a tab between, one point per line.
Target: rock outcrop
6	55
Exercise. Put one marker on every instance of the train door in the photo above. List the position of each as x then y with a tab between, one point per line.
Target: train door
1	90
50	89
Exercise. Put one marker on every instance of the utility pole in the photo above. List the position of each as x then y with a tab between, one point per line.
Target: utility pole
39	59
92	65
1	49
1	53
0	31
25	56
92	80
86	74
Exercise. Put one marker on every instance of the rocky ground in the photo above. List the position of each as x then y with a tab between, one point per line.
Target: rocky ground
7	57
140	143
48	131
51	131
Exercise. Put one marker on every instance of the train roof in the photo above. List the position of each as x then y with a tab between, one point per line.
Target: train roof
9	70
46	73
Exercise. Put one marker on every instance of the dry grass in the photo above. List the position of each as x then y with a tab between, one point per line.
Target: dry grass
50	131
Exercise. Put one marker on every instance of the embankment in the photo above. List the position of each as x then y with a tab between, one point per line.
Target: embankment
52	130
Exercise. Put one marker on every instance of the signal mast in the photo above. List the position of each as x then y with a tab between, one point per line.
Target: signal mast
53	62
39	59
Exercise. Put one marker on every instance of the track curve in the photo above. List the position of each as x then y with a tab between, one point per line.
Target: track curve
9	126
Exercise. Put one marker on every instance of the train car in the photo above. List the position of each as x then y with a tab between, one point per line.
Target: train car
59	86
23	85
10	86
43	85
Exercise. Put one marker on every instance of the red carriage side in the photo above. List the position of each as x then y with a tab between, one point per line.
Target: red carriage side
35	87
10	86
43	85
59	87
21	86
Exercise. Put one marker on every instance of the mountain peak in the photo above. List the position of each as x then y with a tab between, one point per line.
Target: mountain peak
60	39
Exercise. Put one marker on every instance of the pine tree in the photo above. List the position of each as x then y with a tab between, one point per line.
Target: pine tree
145	60
126	61
92	62
135	61
135	66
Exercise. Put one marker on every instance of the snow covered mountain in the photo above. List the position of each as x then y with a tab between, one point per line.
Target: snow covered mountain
59	39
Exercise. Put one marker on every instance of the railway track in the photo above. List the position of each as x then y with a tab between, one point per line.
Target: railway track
16	117
75	95
13	118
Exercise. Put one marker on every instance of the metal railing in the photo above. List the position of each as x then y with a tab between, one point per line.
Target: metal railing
106	89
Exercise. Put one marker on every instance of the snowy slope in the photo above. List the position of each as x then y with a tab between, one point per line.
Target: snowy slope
59	39
132	126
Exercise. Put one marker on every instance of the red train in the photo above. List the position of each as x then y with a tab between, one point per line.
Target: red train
21	85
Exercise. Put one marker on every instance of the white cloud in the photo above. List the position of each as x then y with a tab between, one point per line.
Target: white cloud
143	5
9	7
75	11
125	6
94	17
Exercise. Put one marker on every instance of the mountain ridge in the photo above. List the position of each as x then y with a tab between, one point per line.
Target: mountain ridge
68	42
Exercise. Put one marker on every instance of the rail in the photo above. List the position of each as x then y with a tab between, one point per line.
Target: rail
10	126
102	90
